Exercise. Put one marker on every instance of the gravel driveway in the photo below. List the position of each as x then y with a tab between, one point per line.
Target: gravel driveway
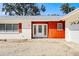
45	47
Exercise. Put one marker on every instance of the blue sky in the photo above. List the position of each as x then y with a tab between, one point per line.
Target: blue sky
54	8
51	8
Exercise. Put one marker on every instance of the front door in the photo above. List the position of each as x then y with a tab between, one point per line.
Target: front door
39	30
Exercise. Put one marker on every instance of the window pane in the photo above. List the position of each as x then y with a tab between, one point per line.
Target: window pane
44	29
15	27
8	27
59	26
34	29
2	27
40	28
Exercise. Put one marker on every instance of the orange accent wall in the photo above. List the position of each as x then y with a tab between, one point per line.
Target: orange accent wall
53	32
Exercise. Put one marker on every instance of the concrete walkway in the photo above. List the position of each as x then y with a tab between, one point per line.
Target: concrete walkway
34	47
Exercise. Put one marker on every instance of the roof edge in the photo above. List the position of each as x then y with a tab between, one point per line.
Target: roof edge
71	13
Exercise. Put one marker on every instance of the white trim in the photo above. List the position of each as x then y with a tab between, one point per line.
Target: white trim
30	18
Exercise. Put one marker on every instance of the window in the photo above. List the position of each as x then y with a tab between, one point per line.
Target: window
59	26
2	27
15	27
9	27
40	28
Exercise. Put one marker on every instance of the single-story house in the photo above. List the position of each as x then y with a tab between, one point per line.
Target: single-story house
32	27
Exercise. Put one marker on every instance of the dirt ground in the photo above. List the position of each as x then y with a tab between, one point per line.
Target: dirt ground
38	47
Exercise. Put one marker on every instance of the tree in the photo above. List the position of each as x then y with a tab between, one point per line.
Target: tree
22	9
66	8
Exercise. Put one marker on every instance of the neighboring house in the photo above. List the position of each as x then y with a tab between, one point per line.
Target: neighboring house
32	27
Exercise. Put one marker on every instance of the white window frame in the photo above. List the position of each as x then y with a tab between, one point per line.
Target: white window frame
10	31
